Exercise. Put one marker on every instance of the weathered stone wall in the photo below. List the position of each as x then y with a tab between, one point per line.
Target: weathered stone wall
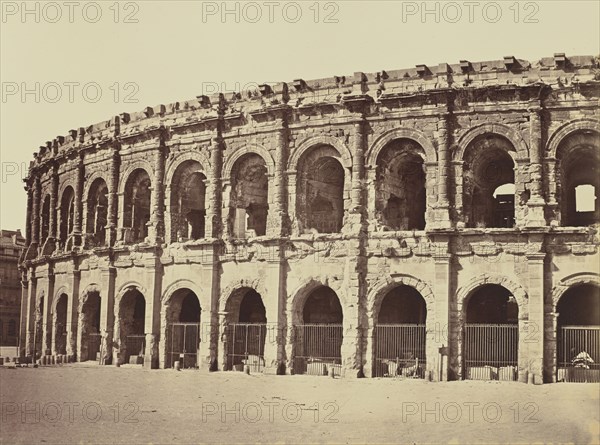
465	126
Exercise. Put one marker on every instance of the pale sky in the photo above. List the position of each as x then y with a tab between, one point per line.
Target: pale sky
174	53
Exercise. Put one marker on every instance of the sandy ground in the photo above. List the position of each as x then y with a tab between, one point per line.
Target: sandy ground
85	404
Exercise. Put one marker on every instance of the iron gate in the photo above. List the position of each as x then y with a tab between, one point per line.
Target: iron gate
400	350
61	338
246	346
94	340
135	346
491	351
184	344
318	348
578	353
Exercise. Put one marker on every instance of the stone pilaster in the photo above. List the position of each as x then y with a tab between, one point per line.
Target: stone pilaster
438	333
50	244
78	210
536	202
153	272
29	322
113	199
156	230
278	218
441	213
534	336
72	316
23	315
108	354
213	213
28	215
223	333
32	251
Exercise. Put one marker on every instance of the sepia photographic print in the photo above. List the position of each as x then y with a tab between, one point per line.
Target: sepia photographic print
300	222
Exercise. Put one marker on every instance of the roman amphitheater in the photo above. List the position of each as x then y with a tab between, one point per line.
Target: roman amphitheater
437	222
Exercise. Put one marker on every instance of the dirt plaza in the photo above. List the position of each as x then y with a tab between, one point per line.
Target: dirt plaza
58	405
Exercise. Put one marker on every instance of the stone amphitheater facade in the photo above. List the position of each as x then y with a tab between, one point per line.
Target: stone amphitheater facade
358	185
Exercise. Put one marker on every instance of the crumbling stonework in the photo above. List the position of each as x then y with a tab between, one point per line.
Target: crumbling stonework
343	190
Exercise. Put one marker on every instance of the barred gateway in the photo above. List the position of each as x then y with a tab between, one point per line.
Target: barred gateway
438	222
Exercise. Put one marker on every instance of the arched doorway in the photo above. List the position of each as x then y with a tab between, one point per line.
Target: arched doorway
188	202
491	335
97	213
136	211
319	336
400	334
246	330
132	318
89	337
60	325
578	334
183	315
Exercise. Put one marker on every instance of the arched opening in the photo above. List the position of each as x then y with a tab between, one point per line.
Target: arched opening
45	220
97	213
132	318
579	179
400	334
188	202
248	202
320	197
136	212
320	334
491	334
578	334
67	218
183	314
489	177
60	325
246	331
400	197
89	327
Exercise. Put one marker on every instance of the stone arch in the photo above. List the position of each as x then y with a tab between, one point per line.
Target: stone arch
61	189
466	291
61	290
301	293
130	285
190	155
227	293
309	143
87	313
184	283
89	181
131	167
513	136
572	280
90	288
382	287
244	150
401	133
565	130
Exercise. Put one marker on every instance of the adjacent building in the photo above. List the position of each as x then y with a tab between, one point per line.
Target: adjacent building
11	248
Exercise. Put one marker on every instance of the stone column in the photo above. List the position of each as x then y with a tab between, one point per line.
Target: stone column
213	213
72	316
442	211
535	204
223	333
46	314
113	205
23	318
157	227
78	210
29	322
354	218
32	251
457	169
153	271
533	343
438	333
28	221
50	244
278	219
107	315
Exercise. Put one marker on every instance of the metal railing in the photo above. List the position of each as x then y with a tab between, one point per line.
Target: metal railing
134	346
184	344
318	348
246	346
578	354
491	351
400	350
94	340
